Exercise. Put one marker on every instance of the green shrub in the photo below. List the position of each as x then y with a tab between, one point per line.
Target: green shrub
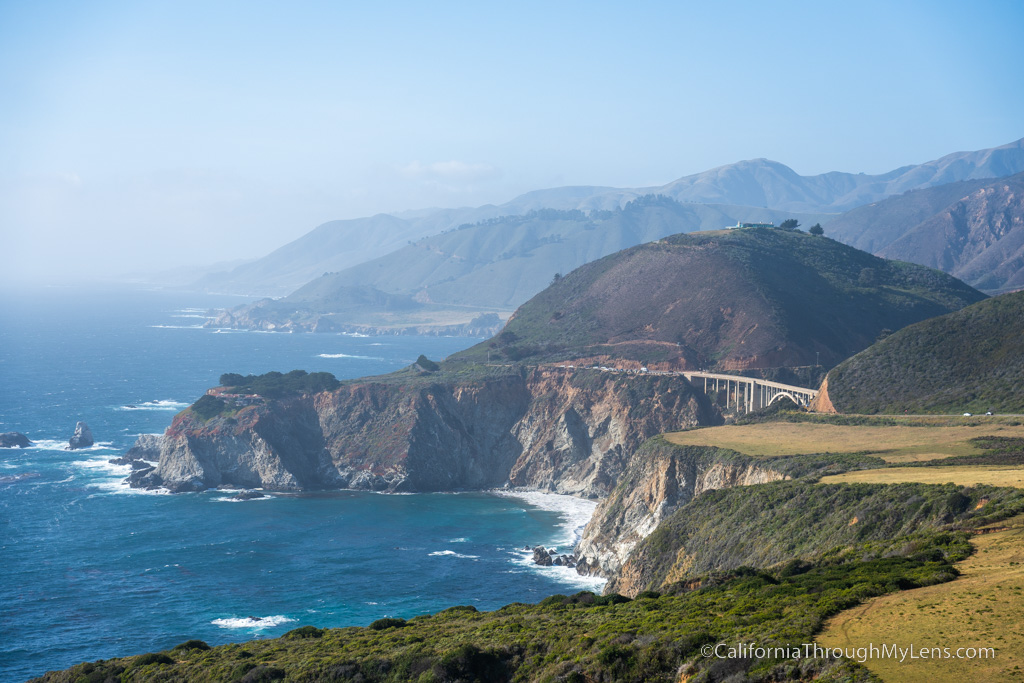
388	622
208	406
191	645
151	658
427	364
306	632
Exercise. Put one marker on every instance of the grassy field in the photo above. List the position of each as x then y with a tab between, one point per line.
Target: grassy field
963	475
912	440
981	609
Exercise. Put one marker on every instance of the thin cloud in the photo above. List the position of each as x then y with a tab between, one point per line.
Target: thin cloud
450	171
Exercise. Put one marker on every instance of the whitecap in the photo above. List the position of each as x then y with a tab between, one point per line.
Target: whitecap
178	327
255	623
103	464
452	553
47	445
575	512
120	486
345	355
190	315
566	575
458	540
165	404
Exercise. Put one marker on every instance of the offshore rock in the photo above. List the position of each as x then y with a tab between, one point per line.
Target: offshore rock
14	440
82	438
145	449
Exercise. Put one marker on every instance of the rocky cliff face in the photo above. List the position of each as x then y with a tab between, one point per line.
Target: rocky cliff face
659	479
548	429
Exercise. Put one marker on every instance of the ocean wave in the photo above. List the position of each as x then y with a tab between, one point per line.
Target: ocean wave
458	540
103	465
166	404
566	575
191	315
345	355
575	512
121	487
232	499
452	553
254	623
44	445
177	327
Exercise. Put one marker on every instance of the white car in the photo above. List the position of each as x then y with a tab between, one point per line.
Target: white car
968	415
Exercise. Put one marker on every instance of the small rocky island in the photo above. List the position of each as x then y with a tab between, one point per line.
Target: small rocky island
14	440
82	438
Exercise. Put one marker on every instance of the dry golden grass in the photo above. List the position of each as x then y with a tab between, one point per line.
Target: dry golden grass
982	608
908	442
963	475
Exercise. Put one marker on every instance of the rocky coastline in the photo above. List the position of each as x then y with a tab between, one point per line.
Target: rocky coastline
585	434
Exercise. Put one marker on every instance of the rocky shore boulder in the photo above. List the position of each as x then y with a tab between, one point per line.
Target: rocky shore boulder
82	437
146	449
14	440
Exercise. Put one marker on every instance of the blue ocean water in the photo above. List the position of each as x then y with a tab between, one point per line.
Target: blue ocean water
90	569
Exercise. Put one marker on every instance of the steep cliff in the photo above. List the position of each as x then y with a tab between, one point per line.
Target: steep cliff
798	522
659	479
548	429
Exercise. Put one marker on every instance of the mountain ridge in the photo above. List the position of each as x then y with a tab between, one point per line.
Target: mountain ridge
751	183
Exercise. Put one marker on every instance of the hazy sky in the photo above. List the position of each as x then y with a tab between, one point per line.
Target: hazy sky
144	135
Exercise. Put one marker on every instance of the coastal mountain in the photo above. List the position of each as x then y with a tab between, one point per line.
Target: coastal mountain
741	299
971	360
973	230
755	184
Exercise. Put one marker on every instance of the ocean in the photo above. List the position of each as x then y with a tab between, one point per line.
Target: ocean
90	569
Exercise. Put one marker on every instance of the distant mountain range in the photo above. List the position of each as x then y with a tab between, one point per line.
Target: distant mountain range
756	184
973	230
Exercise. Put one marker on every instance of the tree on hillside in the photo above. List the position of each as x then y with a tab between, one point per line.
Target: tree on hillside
817	230
790	224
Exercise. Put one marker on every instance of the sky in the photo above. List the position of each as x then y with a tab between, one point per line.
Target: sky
141	136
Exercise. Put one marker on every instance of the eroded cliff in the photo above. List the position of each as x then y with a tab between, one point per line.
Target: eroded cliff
660	478
546	428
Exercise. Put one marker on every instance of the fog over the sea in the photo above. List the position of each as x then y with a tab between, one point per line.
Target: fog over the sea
138	137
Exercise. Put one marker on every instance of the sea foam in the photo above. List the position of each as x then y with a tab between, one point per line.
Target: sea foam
165	404
254	623
452	553
345	355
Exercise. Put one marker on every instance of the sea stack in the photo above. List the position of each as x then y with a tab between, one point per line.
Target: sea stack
82	437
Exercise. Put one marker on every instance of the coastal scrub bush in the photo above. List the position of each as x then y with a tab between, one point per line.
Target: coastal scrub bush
191	645
305	632
208	406
386	622
261	674
427	364
277	385
151	658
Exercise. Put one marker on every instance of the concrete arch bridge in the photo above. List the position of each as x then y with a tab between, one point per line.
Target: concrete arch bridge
747	394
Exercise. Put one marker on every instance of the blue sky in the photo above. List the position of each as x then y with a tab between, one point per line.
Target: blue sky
143	135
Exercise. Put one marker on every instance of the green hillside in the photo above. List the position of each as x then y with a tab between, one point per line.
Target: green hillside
728	299
968	361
